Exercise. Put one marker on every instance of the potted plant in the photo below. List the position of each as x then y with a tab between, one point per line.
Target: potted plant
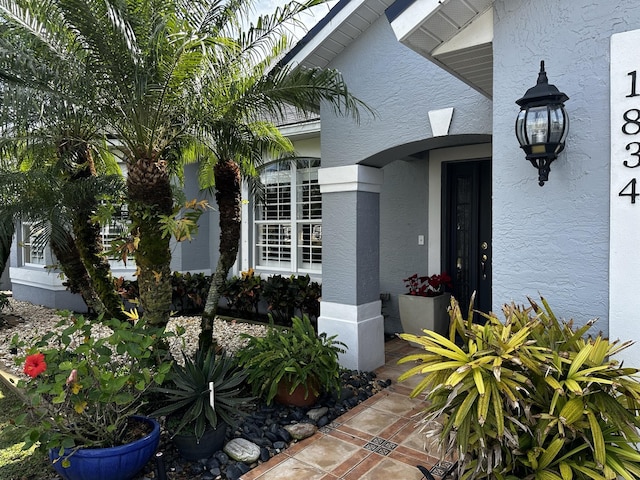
293	365
87	382
530	397
202	397
424	306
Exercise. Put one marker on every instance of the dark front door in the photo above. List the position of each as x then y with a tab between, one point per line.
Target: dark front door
467	242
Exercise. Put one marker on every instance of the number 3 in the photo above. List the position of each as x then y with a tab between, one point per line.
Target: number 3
635	154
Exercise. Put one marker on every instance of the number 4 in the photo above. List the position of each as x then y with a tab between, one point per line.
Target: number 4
629	190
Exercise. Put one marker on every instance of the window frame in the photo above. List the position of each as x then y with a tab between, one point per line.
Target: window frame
295	263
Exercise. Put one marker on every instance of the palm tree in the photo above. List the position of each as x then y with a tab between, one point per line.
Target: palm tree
243	101
47	202
125	63
160	75
61	149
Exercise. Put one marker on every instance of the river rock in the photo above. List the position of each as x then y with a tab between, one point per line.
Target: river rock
300	431
242	450
317	413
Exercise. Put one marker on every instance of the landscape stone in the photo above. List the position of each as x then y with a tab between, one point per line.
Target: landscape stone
323	421
300	431
264	454
233	472
221	457
316	413
284	435
242	450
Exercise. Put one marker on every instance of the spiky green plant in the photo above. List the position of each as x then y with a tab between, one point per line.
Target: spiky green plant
530	397
188	396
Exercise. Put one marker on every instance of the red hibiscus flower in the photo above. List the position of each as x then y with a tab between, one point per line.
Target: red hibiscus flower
35	365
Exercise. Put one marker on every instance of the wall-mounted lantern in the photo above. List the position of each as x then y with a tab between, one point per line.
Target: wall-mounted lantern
542	124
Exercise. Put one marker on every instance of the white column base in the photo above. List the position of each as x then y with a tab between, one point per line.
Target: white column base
360	327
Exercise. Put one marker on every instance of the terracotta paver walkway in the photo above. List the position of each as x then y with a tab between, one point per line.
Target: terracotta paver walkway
376	440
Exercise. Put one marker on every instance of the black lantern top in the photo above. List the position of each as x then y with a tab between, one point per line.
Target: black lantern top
542	93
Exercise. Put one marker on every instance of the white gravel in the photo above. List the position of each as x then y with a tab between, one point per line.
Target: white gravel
30	321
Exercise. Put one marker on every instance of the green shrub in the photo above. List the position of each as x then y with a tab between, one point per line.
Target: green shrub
306	296
296	355
188	292
243	293
279	294
530	397
289	296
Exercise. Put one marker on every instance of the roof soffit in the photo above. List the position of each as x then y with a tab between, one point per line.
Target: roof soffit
457	35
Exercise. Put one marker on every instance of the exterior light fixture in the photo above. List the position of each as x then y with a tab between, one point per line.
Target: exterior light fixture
542	124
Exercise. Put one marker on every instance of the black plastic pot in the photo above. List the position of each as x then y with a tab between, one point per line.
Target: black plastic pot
191	449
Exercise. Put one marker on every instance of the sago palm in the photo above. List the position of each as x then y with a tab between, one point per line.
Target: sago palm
50	139
49	204
164	74
125	63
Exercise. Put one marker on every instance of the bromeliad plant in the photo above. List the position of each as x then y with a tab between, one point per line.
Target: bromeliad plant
529	398
86	378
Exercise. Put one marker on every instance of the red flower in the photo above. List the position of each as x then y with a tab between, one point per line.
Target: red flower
35	365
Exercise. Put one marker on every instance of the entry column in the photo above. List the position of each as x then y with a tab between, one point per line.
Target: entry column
350	307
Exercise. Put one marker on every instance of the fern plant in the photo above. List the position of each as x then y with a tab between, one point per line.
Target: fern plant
530	397
296	355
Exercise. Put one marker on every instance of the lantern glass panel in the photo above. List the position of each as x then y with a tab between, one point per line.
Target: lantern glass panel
537	125
520	130
557	130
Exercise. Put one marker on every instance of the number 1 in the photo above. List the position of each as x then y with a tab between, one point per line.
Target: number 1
633	84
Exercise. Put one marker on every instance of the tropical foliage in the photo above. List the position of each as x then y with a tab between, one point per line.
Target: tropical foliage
189	398
163	83
530	397
84	380
296	355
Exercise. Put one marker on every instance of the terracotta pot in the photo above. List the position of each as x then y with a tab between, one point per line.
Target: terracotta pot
297	397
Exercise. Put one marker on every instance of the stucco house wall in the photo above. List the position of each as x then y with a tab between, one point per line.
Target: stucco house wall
200	254
401	87
555	239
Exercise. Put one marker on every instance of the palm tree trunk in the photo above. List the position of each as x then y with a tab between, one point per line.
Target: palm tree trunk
89	241
77	277
228	198
150	198
90	249
6	239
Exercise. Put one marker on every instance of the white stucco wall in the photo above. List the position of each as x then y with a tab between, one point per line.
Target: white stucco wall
401	87
554	240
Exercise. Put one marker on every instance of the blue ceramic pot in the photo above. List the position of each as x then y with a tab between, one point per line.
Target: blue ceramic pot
122	462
